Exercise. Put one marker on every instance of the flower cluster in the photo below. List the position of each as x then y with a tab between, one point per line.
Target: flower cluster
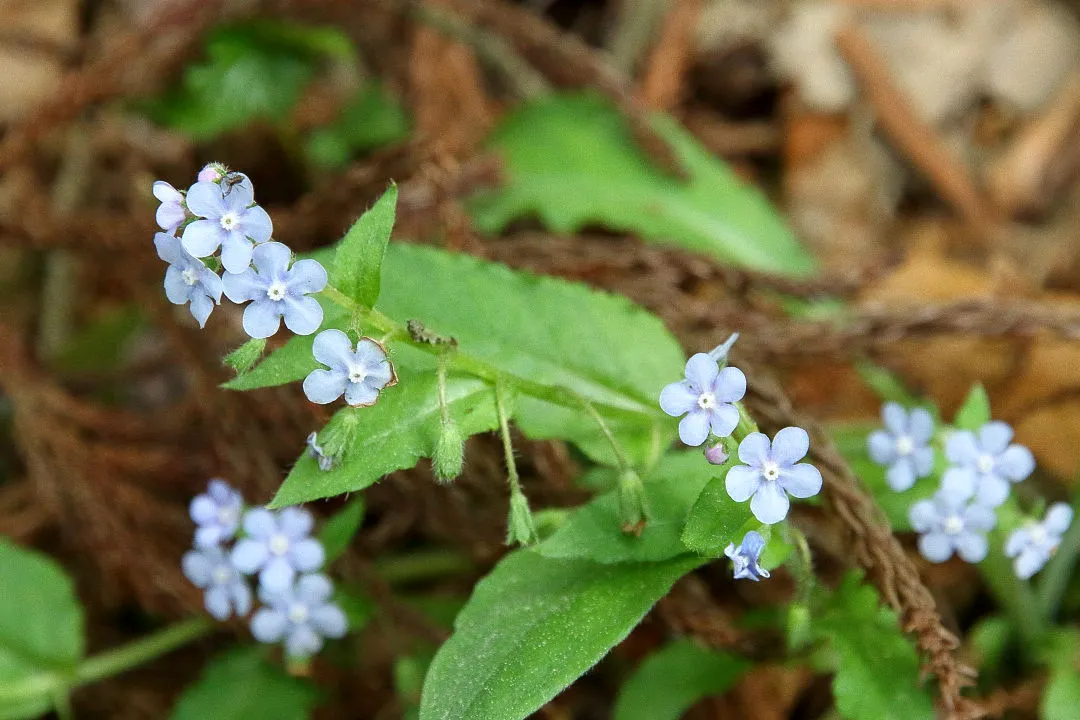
278	548
770	471
981	468
217	213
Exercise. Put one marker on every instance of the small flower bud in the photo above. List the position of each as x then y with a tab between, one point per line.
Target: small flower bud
520	529
449	452
632	506
242	358
212	172
717	454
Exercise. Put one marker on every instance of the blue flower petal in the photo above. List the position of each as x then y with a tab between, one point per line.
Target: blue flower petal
978	516
302	642
755	449
333	349
770	504
959	483
269	625
245	286
197	568
920	426
730	385
330	621
723	420
801	481
923	461
895	418
994	437
260	523
1019	539
882	447
961	448
203	510
314	589
923	515
236	253
701	372
1029	562
307	276
678	399
325	386
169	216
936	547
165	192
901	474
217	602
249	555
694	428
742	482
277	575
302	315
204	200
176	288
790	445
295	522
971	547
1016	463
262	318
257	225
272	259
201	307
991	491
360	394
202	237
1058	519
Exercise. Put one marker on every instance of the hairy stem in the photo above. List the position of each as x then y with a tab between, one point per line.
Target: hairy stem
1058	571
143	650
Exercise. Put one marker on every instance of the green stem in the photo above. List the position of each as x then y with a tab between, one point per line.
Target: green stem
422	565
440	375
621	460
1014	596
141	651
512	477
1058	571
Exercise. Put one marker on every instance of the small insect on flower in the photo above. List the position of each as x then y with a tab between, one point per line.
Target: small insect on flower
705	397
187	280
746	557
277	546
1035	543
985	464
949	525
903	446
170	213
277	291
772	472
358	373
210	569
229	220
301	615
217	513
326	462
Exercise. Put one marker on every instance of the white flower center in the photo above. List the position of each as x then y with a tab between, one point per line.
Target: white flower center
279	544
229	221
770	470
985	464
904	445
190	277
226	515
953	525
276	291
299	613
222	574
706	401
357	374
1038	534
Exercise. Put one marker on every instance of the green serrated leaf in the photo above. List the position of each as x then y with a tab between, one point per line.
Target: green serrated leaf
878	669
675	677
593	531
974	412
41	628
339	530
241	685
572	160
357	268
244	357
401	428
714	519
532	627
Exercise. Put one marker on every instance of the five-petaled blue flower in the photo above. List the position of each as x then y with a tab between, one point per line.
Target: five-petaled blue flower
746	557
1034	544
230	221
358	374
985	465
951	525
705	397
302	615
277	291
209	568
216	513
772	472
170	213
187	280
903	446
277	547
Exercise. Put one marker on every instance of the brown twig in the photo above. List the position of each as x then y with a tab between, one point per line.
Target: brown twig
915	138
663	85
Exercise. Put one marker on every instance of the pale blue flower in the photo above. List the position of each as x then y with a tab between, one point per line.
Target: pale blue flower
301	615
746	557
230	221
326	462
277	546
772	472
985	464
209	568
1035	543
358	374
170	213
903	446
217	513
950	525
705	397
187	280
277	291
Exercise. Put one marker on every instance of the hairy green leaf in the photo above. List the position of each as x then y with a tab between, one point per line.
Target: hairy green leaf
240	685
714	519
593	531
357	268
41	628
673	678
572	160
398	430
339	530
532	627
975	410
878	669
